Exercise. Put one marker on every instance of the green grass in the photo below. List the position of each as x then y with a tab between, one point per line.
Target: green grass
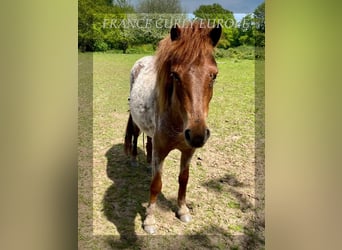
221	180
233	204
135	49
239	53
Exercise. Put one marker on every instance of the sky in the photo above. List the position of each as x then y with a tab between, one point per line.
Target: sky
236	6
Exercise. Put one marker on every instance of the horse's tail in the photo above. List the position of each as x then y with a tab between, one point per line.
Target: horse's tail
130	125
131	137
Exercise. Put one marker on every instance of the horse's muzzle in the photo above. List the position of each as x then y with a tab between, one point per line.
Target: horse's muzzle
195	138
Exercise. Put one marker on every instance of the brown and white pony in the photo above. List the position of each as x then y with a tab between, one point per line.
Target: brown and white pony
169	102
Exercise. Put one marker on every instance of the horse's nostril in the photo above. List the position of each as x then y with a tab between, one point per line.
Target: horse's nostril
187	134
207	132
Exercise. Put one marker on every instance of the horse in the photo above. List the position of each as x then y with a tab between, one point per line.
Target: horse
169	102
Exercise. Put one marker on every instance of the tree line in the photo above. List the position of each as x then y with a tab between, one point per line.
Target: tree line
106	24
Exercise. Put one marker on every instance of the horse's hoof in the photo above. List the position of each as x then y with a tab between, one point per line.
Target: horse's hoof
185	218
150	229
183	214
149	223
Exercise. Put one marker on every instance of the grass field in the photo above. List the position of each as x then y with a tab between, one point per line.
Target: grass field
226	209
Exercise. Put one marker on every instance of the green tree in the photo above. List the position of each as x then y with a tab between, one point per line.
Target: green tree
124	5
215	13
259	15
252	27
92	35
246	28
156	12
152	27
161	6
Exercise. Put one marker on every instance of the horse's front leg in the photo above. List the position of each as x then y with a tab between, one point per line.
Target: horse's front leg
158	157
183	212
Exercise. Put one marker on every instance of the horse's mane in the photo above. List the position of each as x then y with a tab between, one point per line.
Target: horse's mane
194	42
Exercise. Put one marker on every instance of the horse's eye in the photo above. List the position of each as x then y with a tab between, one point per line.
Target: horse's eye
212	78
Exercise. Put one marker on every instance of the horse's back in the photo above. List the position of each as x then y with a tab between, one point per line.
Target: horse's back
142	96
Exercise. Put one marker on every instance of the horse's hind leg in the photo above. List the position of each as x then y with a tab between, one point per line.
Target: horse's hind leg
136	133
149	150
131	140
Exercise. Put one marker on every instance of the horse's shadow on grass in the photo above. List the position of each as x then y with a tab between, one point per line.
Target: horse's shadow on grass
123	200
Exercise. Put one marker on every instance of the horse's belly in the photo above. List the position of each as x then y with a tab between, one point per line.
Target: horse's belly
142	98
143	116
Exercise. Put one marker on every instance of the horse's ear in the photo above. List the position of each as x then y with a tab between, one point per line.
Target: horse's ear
215	34
175	32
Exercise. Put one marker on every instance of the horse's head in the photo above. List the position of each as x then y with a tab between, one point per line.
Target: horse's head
190	78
